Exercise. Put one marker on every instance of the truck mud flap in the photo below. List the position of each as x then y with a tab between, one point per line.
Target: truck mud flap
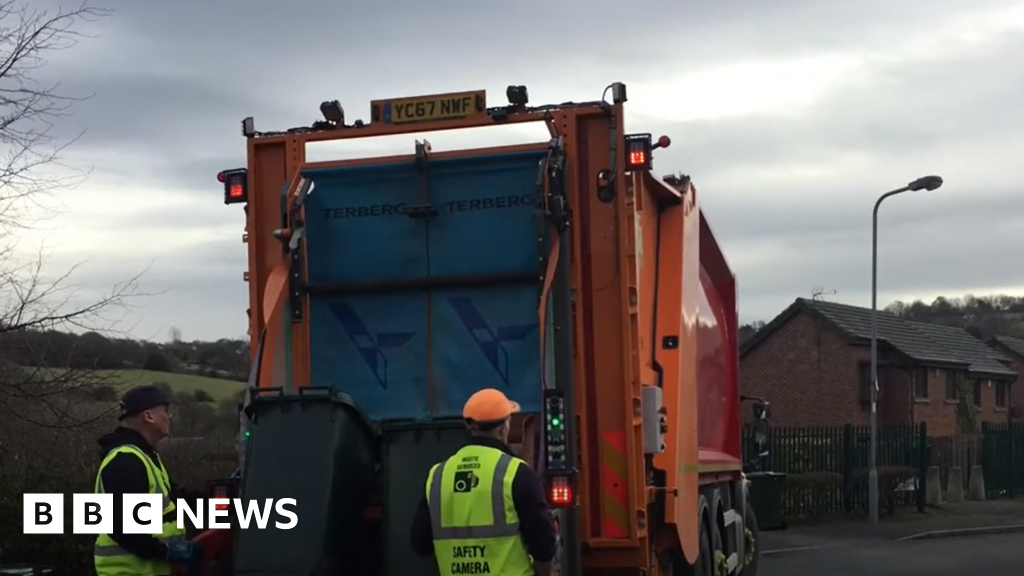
317	447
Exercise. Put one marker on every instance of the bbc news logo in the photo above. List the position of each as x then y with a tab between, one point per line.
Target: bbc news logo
143	513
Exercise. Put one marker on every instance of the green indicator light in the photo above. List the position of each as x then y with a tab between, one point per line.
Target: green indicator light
555	421
246	433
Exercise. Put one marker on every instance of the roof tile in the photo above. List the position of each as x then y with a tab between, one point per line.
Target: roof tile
1015	345
921	341
961	345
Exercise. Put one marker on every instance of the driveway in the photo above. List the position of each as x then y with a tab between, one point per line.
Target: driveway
994	554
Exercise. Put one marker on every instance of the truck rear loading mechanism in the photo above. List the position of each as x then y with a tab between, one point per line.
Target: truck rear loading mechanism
384	291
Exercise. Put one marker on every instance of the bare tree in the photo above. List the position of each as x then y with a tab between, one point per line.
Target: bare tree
29	109
42	382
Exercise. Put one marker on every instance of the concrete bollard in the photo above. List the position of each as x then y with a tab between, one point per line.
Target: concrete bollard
932	486
976	484
955	487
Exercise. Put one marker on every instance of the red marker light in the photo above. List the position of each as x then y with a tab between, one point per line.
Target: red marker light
560	492
638	151
236	190
221	492
637	158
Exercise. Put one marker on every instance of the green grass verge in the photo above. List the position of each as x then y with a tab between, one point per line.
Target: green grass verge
218	388
181	383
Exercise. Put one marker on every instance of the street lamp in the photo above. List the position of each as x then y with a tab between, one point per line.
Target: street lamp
923	183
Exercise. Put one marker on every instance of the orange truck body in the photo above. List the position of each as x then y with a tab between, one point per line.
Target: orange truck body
645	313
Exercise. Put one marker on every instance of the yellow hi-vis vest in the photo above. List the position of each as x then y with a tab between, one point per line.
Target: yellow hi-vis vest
475	525
112	560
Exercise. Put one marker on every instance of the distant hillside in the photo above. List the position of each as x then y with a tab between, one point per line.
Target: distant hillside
223	359
983	316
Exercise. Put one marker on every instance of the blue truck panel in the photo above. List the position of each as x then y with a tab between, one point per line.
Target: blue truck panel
420	354
355	229
373	348
490	341
487	209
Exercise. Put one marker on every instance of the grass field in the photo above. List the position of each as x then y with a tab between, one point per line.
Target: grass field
180	383
218	388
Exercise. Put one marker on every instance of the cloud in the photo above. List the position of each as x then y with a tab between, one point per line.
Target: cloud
198	289
791	116
790	191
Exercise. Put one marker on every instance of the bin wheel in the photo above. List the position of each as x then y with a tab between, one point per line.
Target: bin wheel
752	546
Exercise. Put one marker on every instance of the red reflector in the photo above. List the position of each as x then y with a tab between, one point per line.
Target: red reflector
560	491
220	176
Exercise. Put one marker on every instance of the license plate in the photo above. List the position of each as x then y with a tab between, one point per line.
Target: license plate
426	108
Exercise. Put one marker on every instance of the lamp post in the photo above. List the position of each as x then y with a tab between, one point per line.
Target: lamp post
923	183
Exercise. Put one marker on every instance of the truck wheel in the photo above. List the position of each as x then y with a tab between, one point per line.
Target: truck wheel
719	560
752	546
706	558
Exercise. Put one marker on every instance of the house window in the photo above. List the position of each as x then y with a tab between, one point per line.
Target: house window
1001	395
921	383
978	383
952	390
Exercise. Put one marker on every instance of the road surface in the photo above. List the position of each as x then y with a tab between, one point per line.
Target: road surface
995	554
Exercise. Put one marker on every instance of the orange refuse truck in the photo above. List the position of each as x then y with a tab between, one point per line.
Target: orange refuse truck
383	291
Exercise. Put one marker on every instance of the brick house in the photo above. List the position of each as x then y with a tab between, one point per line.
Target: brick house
812	362
1013	349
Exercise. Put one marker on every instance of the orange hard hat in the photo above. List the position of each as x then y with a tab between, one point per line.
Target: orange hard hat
489	405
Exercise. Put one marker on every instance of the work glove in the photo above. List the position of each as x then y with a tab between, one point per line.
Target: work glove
186	553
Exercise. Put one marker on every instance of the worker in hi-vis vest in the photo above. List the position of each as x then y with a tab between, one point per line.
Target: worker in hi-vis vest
130	465
484	510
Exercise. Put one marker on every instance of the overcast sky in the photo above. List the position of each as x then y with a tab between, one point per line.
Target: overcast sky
791	116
